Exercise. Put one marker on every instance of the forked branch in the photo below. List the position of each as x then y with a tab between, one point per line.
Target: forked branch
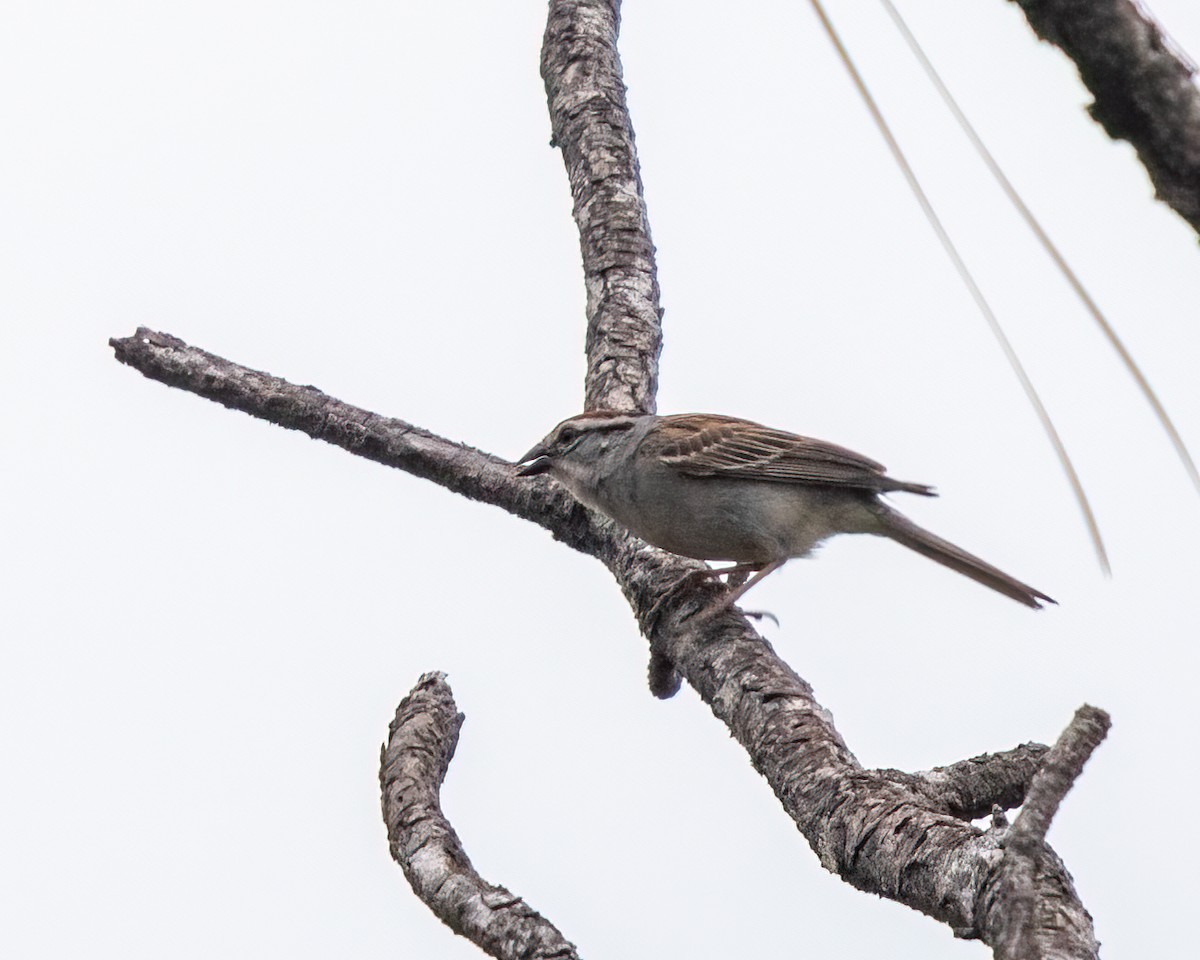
905	837
1031	921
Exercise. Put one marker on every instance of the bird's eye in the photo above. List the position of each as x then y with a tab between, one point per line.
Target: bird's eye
567	434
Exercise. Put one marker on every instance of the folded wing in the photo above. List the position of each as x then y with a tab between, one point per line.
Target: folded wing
728	447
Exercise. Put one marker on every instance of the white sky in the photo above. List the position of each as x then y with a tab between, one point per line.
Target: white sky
209	621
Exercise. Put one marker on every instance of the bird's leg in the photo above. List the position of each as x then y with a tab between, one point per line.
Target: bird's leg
737	573
742	585
739	582
737	576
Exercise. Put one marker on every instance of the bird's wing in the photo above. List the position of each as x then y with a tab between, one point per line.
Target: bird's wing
715	446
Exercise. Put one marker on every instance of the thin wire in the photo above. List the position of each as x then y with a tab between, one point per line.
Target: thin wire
976	294
1055	255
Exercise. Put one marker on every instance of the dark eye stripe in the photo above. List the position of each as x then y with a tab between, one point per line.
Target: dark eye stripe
570	431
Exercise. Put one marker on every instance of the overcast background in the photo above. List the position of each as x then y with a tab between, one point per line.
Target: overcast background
209	621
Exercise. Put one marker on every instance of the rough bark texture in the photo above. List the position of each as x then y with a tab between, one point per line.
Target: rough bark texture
907	837
394	443
1028	920
412	766
970	789
591	125
873	830
1143	89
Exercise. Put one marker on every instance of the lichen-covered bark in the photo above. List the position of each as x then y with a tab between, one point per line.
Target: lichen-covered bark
591	125
1143	90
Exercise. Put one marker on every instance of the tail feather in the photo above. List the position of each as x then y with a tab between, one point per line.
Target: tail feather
899	528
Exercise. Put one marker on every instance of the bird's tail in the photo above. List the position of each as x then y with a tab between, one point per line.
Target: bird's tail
899	528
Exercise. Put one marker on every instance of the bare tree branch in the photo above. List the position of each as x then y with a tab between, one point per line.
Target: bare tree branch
880	835
1034	921
1143	89
394	443
1058	772
586	96
971	788
903	837
412	766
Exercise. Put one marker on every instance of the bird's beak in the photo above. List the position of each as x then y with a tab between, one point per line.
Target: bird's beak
534	462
